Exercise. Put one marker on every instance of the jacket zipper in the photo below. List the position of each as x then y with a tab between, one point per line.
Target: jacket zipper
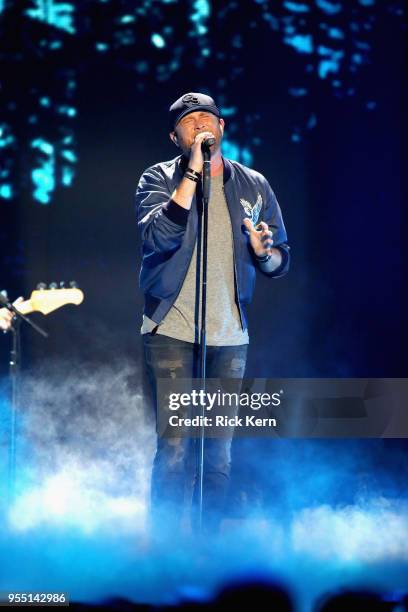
235	265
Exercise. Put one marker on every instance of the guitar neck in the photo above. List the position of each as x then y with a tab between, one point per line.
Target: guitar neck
25	307
48	300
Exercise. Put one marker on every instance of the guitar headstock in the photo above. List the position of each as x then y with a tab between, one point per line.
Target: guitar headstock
46	300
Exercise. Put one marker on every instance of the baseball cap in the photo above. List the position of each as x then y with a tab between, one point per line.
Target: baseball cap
189	103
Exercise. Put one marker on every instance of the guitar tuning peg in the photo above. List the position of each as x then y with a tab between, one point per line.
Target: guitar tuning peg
53	286
62	283
41	286
73	284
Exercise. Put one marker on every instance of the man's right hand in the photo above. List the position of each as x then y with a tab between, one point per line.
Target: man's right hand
196	155
184	192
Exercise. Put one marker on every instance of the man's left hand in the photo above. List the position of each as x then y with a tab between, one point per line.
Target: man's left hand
260	237
6	316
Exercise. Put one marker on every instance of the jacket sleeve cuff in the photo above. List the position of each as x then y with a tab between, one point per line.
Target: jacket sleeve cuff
176	213
283	266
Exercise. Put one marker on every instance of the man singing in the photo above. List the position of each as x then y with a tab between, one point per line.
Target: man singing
245	232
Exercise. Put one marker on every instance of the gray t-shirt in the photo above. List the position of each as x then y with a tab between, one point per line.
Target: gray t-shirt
223	323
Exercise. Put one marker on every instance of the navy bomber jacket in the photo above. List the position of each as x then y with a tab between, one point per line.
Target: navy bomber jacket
169	232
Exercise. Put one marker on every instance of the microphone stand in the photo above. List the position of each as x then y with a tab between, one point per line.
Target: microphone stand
14	369
203	340
15	363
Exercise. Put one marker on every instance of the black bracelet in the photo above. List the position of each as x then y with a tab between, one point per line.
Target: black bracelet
197	174
263	258
191	177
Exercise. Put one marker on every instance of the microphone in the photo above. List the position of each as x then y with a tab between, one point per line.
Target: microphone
208	142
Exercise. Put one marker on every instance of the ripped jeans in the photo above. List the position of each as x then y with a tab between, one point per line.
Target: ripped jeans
174	485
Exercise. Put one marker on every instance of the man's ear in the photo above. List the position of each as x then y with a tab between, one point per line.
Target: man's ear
173	138
222	126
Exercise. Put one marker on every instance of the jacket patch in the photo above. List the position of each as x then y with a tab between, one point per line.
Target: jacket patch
252	211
